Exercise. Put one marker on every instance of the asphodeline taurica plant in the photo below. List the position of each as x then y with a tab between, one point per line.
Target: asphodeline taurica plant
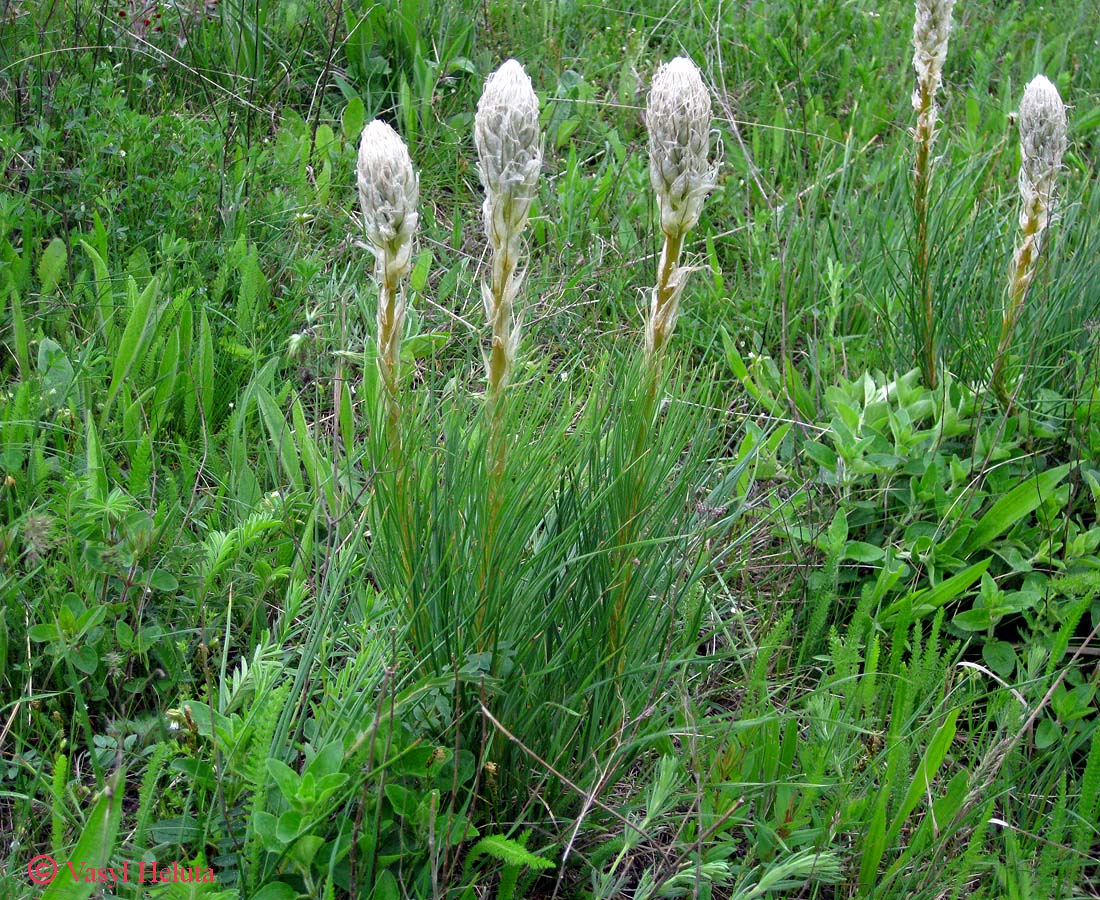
1042	146
388	194
678	118
931	29
509	149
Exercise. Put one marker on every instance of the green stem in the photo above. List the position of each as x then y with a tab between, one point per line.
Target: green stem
922	174
1023	270
629	529
500	364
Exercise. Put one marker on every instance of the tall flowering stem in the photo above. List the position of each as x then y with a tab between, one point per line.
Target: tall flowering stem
388	194
678	118
509	149
1042	145
931	30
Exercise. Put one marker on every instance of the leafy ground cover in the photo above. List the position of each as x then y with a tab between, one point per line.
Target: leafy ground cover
808	627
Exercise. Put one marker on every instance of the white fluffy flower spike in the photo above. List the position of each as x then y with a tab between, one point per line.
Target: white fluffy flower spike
678	118
388	194
931	29
509	149
1042	146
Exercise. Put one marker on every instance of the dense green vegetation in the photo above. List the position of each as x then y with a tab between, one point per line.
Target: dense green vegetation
808	627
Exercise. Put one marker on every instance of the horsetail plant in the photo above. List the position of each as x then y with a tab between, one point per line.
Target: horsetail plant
931	30
678	118
388	194
509	149
1042	144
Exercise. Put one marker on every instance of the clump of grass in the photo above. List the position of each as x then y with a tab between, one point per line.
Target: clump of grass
1042	145
931	30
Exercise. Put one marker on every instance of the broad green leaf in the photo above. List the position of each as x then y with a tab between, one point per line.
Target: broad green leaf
51	266
103	292
285	778
873	844
418	278
351	122
96	487
420	346
96	844
291	824
280	433
385	887
328	761
275	890
978	619
167	374
1047	733
134	337
862	552
935	597
403	800
204	374
926	772
1000	656
1014	506
838	531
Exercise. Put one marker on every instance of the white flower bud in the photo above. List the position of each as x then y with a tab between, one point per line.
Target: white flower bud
388	194
678	118
509	149
1042	146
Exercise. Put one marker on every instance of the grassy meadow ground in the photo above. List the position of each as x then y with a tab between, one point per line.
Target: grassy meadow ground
810	628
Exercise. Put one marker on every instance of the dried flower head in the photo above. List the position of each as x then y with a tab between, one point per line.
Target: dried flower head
678	118
388	193
38	536
1042	146
931	30
509	149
